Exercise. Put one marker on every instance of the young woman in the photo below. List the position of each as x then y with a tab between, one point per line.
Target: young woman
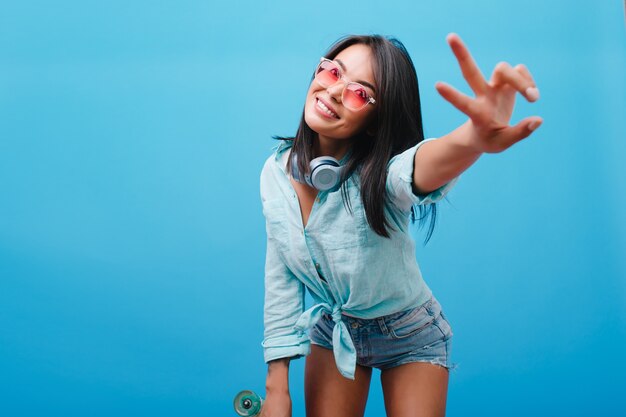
339	227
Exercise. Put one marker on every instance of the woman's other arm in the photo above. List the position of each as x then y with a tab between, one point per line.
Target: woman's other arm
277	399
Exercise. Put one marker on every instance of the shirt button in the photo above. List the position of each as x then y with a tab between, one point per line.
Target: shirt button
317	265
317	199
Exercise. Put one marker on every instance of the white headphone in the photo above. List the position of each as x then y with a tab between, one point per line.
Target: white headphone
325	172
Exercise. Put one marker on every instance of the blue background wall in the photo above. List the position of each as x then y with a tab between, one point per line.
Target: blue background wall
132	135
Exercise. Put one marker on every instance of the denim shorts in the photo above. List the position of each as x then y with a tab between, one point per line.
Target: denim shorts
420	334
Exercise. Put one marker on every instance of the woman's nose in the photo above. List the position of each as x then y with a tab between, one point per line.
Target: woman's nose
336	90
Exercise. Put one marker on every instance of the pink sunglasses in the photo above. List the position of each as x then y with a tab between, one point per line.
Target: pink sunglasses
354	95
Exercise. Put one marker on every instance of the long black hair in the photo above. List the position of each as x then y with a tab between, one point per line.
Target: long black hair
396	126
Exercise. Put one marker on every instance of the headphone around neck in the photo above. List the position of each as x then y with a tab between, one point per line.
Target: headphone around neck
325	172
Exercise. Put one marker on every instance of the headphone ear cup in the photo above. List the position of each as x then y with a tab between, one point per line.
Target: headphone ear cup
295	171
325	173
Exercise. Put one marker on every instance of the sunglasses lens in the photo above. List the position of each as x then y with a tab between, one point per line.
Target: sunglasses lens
327	74
355	97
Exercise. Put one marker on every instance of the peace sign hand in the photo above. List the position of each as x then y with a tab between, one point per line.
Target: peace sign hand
491	109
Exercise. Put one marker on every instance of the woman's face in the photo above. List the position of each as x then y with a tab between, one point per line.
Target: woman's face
357	62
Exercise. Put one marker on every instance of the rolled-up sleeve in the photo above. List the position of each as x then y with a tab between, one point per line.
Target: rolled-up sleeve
284	303
399	183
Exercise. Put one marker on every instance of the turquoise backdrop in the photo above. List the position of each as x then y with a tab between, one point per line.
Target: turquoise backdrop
132	242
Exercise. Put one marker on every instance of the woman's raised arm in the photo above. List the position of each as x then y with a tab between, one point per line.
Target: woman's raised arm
487	129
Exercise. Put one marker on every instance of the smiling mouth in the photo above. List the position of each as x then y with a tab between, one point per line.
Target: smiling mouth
321	106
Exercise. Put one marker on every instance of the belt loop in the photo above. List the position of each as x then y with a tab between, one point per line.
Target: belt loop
383	326
430	306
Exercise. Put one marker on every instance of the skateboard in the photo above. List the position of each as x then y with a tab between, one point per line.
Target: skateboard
248	403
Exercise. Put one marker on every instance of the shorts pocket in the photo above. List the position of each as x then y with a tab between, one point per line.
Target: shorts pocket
409	322
445	326
322	332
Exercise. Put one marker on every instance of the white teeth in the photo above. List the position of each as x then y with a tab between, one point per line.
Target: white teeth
326	109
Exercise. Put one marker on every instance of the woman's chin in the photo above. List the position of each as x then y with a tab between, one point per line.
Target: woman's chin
321	126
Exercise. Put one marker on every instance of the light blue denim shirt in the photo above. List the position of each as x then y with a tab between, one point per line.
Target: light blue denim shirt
365	275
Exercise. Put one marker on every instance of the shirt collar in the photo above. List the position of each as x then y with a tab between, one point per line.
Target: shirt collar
280	155
286	144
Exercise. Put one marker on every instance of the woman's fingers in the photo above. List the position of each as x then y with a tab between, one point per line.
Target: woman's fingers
457	99
521	68
491	102
470	70
513	134
520	80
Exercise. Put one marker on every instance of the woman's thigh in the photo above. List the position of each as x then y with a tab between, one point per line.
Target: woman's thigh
416	389
327	392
